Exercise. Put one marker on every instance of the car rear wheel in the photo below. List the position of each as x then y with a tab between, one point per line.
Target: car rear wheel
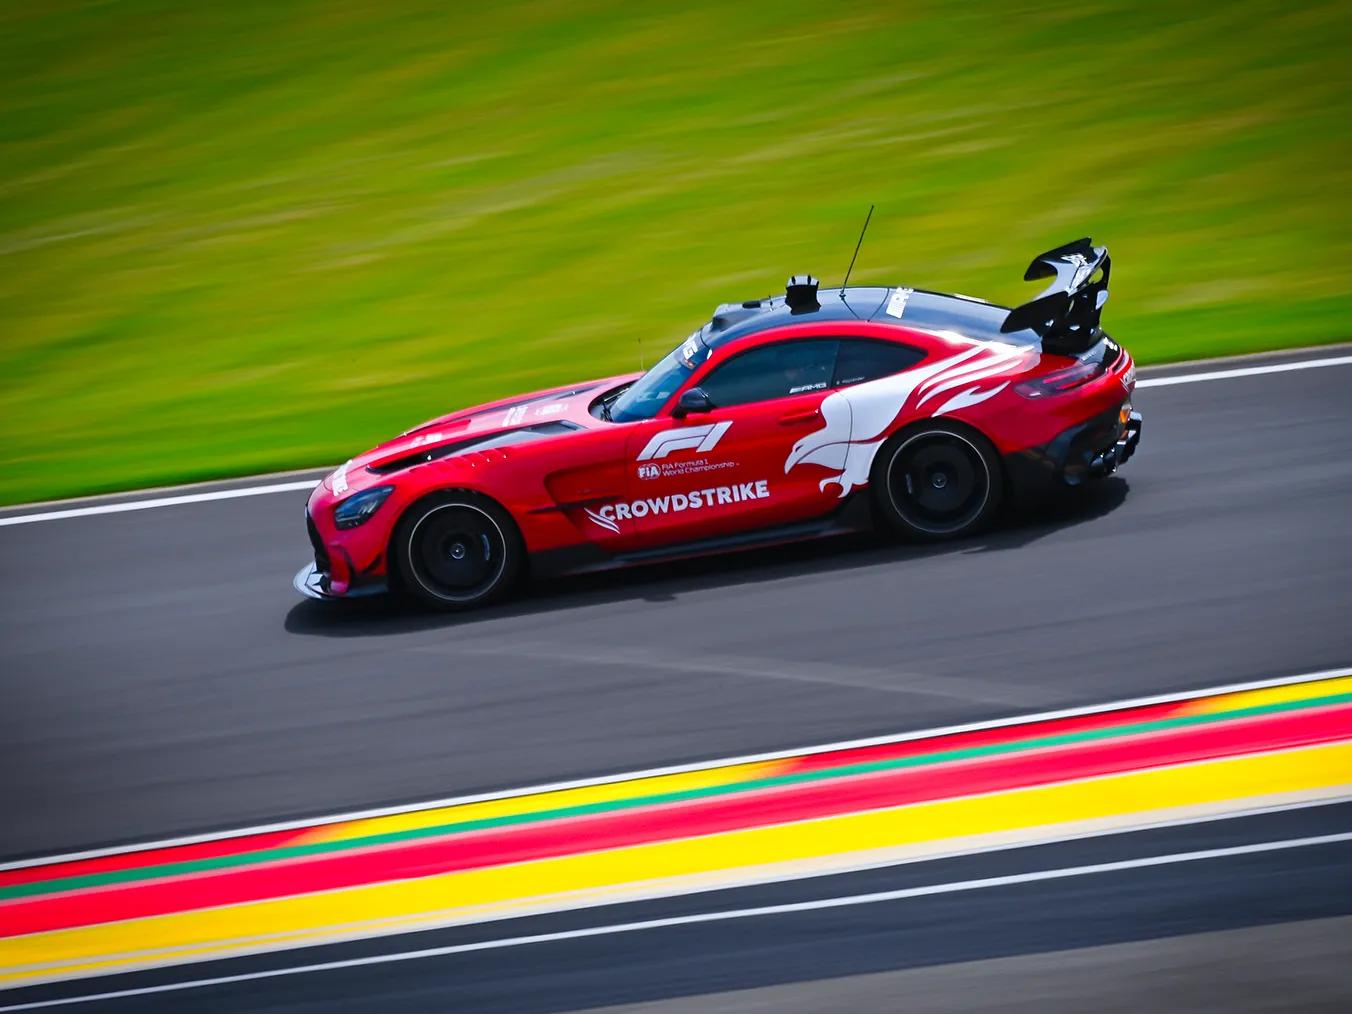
457	551
940	482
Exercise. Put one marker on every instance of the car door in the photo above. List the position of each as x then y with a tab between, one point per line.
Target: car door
588	478
723	472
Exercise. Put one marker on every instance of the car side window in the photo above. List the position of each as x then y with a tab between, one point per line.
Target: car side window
863	359
772	371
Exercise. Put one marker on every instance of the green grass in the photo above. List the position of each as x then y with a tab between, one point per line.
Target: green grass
248	236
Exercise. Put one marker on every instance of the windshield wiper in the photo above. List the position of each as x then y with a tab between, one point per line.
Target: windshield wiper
608	403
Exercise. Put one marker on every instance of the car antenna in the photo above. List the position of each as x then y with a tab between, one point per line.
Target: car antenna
850	269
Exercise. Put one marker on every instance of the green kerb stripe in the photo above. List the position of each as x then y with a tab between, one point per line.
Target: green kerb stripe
173	869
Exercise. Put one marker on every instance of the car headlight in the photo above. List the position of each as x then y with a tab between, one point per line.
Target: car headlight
357	510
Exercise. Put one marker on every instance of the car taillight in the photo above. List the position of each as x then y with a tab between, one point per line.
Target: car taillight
1061	381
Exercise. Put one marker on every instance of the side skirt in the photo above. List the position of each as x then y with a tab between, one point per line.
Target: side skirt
856	515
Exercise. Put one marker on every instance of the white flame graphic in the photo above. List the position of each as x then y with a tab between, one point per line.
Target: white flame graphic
857	419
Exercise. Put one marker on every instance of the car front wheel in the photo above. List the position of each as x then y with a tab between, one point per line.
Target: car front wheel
457	551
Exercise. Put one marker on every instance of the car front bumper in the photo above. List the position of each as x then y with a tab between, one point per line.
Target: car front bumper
332	575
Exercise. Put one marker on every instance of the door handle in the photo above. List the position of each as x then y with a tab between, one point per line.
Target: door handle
798	418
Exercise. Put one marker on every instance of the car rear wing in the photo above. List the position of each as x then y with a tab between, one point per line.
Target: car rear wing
1066	313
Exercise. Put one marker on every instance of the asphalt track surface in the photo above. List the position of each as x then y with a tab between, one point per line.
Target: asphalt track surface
160	676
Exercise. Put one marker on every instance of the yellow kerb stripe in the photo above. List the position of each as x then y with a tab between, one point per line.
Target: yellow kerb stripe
1270	695
235	927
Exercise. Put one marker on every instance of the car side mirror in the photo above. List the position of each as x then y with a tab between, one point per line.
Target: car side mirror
692	402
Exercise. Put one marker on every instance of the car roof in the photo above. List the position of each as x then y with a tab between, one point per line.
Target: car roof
915	308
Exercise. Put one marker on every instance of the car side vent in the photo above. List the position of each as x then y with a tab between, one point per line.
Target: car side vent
480	443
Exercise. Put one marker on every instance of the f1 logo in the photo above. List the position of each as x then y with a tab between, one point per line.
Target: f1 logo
684	438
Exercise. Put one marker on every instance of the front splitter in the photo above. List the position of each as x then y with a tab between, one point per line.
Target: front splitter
310	582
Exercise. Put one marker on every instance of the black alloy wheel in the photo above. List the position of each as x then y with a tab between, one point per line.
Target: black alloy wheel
939	483
458	551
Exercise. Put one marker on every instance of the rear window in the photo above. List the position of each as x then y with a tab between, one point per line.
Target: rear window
860	360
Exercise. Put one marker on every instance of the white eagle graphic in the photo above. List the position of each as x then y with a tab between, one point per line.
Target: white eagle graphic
857	418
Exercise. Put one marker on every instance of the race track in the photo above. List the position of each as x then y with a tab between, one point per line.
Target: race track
161	676
1236	919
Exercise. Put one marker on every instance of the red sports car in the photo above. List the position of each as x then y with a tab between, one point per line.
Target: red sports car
782	418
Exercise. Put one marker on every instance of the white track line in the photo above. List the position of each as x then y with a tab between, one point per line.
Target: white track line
291	487
707	765
902	894
1247	371
160	501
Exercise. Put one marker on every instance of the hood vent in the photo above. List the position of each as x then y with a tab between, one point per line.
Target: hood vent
502	438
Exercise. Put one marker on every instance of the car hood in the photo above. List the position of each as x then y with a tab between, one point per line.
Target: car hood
561	405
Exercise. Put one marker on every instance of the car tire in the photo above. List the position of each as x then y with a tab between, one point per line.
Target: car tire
457	550
935	482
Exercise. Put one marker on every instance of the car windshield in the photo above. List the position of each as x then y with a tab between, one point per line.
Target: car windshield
645	397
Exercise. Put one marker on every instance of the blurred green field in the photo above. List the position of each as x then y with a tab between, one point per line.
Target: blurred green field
251	236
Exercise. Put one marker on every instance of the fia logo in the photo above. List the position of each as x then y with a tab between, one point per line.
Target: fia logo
648	471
